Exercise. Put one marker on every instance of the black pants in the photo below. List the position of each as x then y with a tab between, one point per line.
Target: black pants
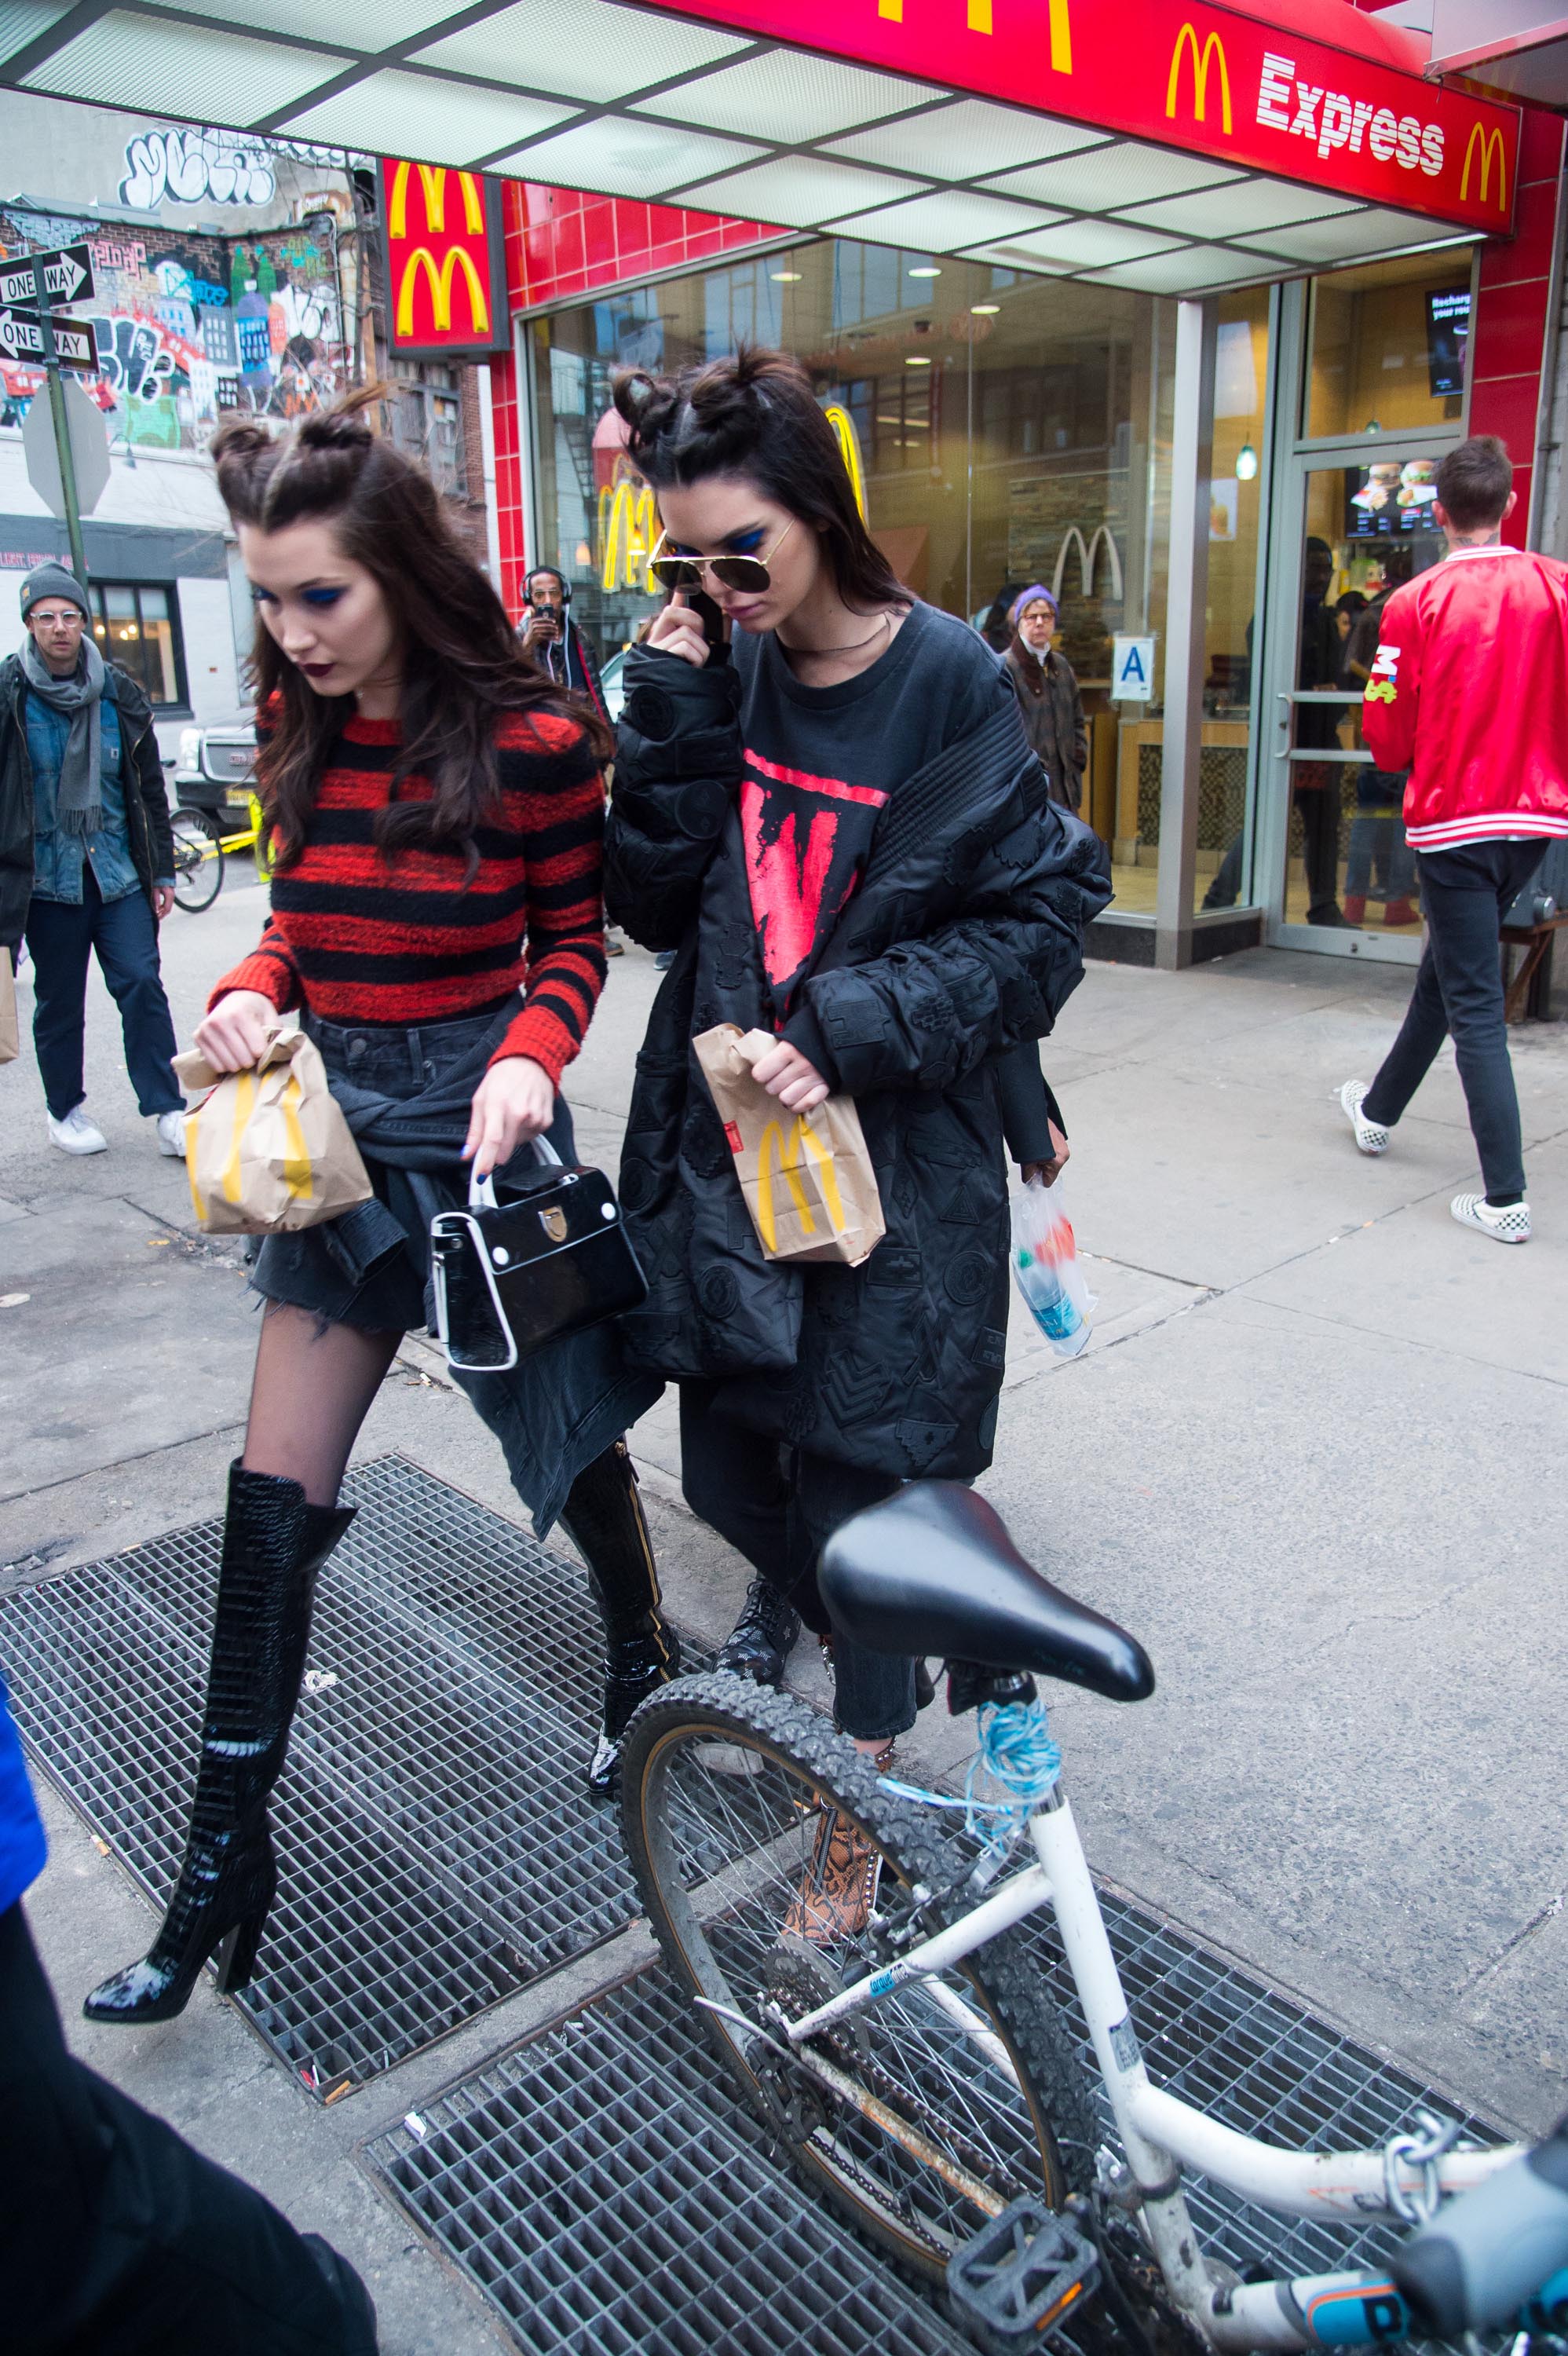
116	2239
123	935
1459	988
778	1506
1319	809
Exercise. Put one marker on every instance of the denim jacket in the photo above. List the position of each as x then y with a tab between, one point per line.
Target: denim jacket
57	858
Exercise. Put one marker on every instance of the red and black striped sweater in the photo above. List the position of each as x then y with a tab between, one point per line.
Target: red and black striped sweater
357	937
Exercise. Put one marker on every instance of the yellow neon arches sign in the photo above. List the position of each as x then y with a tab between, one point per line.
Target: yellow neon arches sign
844	433
433	179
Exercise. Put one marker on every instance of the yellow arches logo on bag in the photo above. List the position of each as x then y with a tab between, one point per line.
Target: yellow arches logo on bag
784	1148
296	1167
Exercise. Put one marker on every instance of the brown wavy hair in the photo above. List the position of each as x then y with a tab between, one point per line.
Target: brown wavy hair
754	413
463	662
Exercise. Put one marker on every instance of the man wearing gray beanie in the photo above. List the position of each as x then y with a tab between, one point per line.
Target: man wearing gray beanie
86	856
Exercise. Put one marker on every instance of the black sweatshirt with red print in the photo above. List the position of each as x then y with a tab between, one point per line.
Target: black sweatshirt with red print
359	936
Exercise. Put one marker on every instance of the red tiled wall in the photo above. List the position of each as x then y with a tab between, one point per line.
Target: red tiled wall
560	241
1510	338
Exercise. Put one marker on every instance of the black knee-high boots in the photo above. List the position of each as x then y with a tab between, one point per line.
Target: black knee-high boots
273	1546
604	1519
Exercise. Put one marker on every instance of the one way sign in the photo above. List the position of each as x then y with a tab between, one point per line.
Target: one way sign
68	275
22	339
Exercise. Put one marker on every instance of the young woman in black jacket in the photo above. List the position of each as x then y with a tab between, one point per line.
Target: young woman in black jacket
833	817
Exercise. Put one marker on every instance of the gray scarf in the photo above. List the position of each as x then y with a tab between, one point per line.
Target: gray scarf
80	802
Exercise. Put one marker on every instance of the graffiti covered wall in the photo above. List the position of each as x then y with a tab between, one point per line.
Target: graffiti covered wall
192	328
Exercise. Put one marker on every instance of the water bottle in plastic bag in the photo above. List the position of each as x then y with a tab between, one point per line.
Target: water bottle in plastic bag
1045	1263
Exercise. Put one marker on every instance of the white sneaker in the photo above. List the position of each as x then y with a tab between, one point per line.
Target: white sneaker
1509	1226
77	1134
1370	1137
171	1135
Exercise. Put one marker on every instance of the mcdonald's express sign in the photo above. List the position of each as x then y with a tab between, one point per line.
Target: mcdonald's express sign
1186	74
446	280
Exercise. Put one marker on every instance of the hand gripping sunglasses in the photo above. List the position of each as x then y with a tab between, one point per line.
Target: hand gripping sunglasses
748	575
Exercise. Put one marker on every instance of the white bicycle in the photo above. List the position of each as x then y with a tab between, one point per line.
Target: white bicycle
861	1975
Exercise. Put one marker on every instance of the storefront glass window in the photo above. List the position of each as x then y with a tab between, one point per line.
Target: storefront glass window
135	626
1008	430
1388	344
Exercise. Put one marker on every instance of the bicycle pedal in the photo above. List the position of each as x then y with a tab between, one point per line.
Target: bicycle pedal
1021	2275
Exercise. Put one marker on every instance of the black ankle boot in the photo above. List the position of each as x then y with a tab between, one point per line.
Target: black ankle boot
764	1636
604	1517
273	1545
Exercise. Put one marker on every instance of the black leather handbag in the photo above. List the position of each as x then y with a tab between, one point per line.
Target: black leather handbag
549	1261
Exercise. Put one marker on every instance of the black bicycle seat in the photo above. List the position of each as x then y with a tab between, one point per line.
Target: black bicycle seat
932	1569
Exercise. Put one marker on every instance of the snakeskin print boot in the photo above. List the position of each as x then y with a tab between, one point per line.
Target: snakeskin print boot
273	1546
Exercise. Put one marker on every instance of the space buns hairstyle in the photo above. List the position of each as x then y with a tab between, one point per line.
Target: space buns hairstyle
752	414
462	662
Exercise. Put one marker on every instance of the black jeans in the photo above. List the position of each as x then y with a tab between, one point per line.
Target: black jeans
62	936
116	2239
1319	809
778	1506
1459	988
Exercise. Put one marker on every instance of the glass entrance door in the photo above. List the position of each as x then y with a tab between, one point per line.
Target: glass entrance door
1337	872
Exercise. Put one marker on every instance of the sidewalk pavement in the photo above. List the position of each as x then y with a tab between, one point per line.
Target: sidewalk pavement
1312	1457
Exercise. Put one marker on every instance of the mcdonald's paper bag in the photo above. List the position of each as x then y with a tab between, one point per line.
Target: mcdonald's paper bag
10	1040
806	1177
268	1150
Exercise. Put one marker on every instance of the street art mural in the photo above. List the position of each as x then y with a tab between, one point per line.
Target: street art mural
191	328
189	168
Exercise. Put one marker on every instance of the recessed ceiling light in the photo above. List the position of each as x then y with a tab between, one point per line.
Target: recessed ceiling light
926	270
916	359
786	277
983	310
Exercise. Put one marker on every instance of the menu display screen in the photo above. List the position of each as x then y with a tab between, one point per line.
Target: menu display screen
1448	335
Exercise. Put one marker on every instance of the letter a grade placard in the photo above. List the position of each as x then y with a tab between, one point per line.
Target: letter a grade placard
1132	670
445	271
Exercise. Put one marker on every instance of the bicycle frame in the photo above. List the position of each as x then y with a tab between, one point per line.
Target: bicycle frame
1161	2135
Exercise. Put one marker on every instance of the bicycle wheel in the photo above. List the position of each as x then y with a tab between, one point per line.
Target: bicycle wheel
198	864
728	1797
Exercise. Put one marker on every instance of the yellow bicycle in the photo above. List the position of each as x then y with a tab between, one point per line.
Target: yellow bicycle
200	855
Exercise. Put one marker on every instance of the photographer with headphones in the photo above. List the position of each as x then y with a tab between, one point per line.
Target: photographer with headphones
553	638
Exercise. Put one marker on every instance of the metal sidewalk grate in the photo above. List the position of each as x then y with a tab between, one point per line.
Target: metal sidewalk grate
436	1843
607	2194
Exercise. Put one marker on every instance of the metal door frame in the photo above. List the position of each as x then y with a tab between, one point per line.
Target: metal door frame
1295	458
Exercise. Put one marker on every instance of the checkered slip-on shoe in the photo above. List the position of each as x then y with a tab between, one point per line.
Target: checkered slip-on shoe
1510	1225
1370	1137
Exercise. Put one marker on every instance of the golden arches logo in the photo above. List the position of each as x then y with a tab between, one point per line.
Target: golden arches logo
848	443
439	278
1490	144
1211	54
978	19
433	179
628	528
785	1148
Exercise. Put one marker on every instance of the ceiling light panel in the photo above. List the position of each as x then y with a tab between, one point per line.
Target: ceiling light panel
618	158
1185	272
1103	177
942	223
1347	237
1076	246
378	28
960	143
787	96
416	114
22	21
584	48
798	190
1237	211
144	61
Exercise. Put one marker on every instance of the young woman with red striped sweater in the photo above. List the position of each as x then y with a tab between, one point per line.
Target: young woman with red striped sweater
437	815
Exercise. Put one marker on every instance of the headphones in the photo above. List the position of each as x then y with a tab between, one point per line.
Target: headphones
565	583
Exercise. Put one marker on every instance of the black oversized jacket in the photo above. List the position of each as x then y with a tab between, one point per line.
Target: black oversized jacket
147	826
962	939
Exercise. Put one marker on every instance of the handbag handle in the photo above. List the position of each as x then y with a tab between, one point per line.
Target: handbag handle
482	1191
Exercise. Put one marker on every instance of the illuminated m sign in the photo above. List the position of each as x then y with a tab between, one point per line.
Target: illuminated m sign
1488	146
628	527
443	261
977	19
1211	54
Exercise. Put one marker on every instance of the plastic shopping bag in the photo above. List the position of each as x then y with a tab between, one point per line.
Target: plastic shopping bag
1045	1263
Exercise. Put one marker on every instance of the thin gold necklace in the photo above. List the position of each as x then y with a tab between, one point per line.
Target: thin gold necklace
852	649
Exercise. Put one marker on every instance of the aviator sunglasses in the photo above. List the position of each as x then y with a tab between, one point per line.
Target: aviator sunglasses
749	574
